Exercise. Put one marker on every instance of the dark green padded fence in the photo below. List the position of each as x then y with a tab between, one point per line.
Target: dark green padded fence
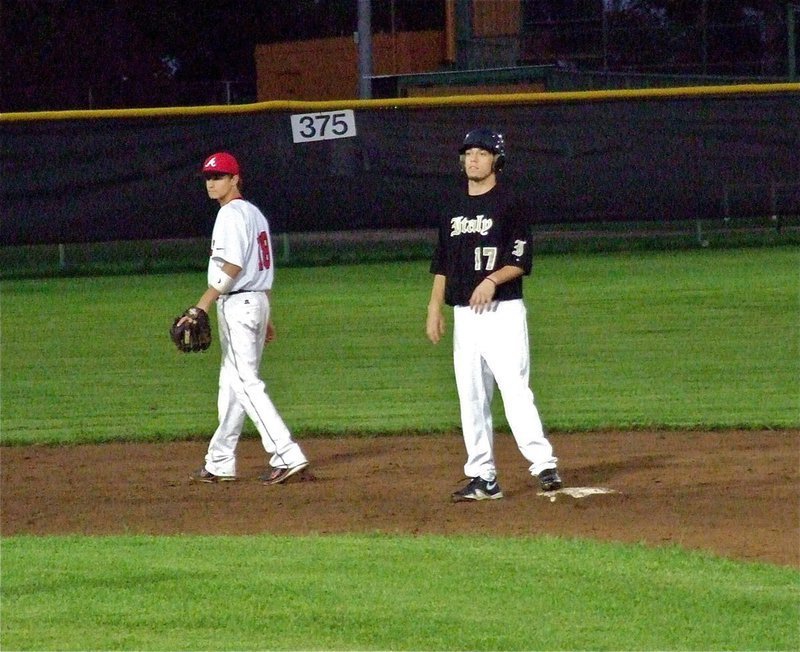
636	155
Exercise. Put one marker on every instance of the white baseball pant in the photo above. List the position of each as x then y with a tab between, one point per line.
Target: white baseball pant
490	347
242	320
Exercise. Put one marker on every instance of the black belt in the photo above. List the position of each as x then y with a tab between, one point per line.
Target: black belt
230	294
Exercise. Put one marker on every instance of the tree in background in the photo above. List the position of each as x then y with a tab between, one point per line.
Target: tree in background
720	37
67	54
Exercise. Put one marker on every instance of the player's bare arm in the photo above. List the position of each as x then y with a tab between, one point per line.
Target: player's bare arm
434	326
484	292
230	271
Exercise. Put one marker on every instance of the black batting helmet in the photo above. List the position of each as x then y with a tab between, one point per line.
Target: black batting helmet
488	139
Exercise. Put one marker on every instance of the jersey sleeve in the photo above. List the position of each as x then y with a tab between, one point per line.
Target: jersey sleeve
438	263
438	211
227	242
517	248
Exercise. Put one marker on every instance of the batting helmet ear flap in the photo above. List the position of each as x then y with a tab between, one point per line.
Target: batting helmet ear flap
499	162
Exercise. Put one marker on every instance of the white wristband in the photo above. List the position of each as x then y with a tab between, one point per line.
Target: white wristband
222	283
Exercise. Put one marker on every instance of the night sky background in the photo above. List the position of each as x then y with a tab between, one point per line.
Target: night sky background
84	54
56	52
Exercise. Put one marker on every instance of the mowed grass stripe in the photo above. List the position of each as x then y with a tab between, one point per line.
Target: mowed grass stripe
381	593
702	339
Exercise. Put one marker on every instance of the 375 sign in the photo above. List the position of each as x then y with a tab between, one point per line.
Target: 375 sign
326	125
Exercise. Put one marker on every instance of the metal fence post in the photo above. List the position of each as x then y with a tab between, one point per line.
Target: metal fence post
791	13
364	35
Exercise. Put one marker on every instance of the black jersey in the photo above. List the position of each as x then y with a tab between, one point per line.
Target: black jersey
477	235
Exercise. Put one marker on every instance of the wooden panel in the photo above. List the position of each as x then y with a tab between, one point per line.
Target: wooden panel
496	18
327	69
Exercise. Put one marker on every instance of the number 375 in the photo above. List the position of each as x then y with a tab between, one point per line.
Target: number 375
308	127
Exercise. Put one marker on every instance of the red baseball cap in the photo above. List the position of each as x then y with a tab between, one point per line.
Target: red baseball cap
221	163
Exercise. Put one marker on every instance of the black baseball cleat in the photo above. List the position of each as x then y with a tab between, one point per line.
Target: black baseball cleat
277	475
478	489
201	475
550	480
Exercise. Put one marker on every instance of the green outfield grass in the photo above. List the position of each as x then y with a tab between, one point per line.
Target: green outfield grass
386	593
704	339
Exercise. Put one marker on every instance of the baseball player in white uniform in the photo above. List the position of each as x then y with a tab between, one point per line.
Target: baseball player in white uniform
482	253
240	274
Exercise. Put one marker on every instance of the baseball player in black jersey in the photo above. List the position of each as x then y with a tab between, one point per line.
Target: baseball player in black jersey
482	253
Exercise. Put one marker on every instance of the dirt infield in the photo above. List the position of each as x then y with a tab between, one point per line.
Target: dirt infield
735	494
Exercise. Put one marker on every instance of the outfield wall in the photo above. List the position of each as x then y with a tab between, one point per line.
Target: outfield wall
655	154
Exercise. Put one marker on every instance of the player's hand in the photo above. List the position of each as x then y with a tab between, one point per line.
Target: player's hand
482	295
434	326
271	334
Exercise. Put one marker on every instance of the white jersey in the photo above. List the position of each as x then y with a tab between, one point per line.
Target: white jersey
241	237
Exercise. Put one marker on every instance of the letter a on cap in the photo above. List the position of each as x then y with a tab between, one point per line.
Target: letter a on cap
221	163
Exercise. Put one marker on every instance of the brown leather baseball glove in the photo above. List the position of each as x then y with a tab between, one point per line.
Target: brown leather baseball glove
191	331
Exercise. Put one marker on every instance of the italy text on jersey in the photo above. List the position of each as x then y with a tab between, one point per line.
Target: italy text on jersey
479	224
